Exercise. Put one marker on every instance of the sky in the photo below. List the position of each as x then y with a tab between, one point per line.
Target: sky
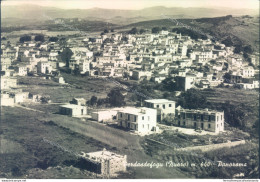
137	4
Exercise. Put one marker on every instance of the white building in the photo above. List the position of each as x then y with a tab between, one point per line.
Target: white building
8	83
73	110
44	67
165	108
248	71
141	120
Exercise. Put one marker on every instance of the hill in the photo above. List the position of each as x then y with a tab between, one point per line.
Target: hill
239	30
117	16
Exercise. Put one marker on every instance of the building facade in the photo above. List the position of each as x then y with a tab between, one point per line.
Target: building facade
141	120
208	120
73	110
165	108
105	162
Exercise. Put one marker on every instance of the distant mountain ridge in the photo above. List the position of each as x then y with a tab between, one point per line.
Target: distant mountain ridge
117	16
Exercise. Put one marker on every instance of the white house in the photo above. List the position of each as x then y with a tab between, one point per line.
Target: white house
141	120
73	110
165	108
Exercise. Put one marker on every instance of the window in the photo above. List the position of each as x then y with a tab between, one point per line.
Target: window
184	116
209	126
194	117
217	118
142	117
202	118
135	118
170	105
209	118
128	117
121	115
157	106
148	118
163	106
221	117
184	123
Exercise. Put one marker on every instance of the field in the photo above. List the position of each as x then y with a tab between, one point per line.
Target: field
30	128
27	129
26	154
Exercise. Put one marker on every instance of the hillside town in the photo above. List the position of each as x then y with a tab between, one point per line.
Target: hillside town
154	57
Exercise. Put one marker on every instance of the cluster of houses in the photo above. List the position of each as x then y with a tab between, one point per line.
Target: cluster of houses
11	94
155	57
143	120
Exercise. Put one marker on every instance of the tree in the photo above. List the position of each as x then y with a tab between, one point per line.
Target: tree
164	28
45	99
168	84
112	30
227	78
115	98
25	38
93	100
53	39
248	49
39	37
142	31
234	114
193	99
228	42
63	42
66	55
108	40
238	49
125	39
16	171
155	29
133	31
106	31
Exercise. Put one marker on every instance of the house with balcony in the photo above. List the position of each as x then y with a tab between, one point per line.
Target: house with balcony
140	120
204	119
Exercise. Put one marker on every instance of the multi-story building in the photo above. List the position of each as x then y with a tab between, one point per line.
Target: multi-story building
104	162
184	83
165	108
205	119
141	120
248	71
44	67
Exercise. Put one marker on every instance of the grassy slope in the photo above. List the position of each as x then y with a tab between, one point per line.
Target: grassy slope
238	28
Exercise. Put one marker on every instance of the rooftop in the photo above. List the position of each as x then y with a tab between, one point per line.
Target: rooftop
199	111
104	154
159	101
71	106
136	111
